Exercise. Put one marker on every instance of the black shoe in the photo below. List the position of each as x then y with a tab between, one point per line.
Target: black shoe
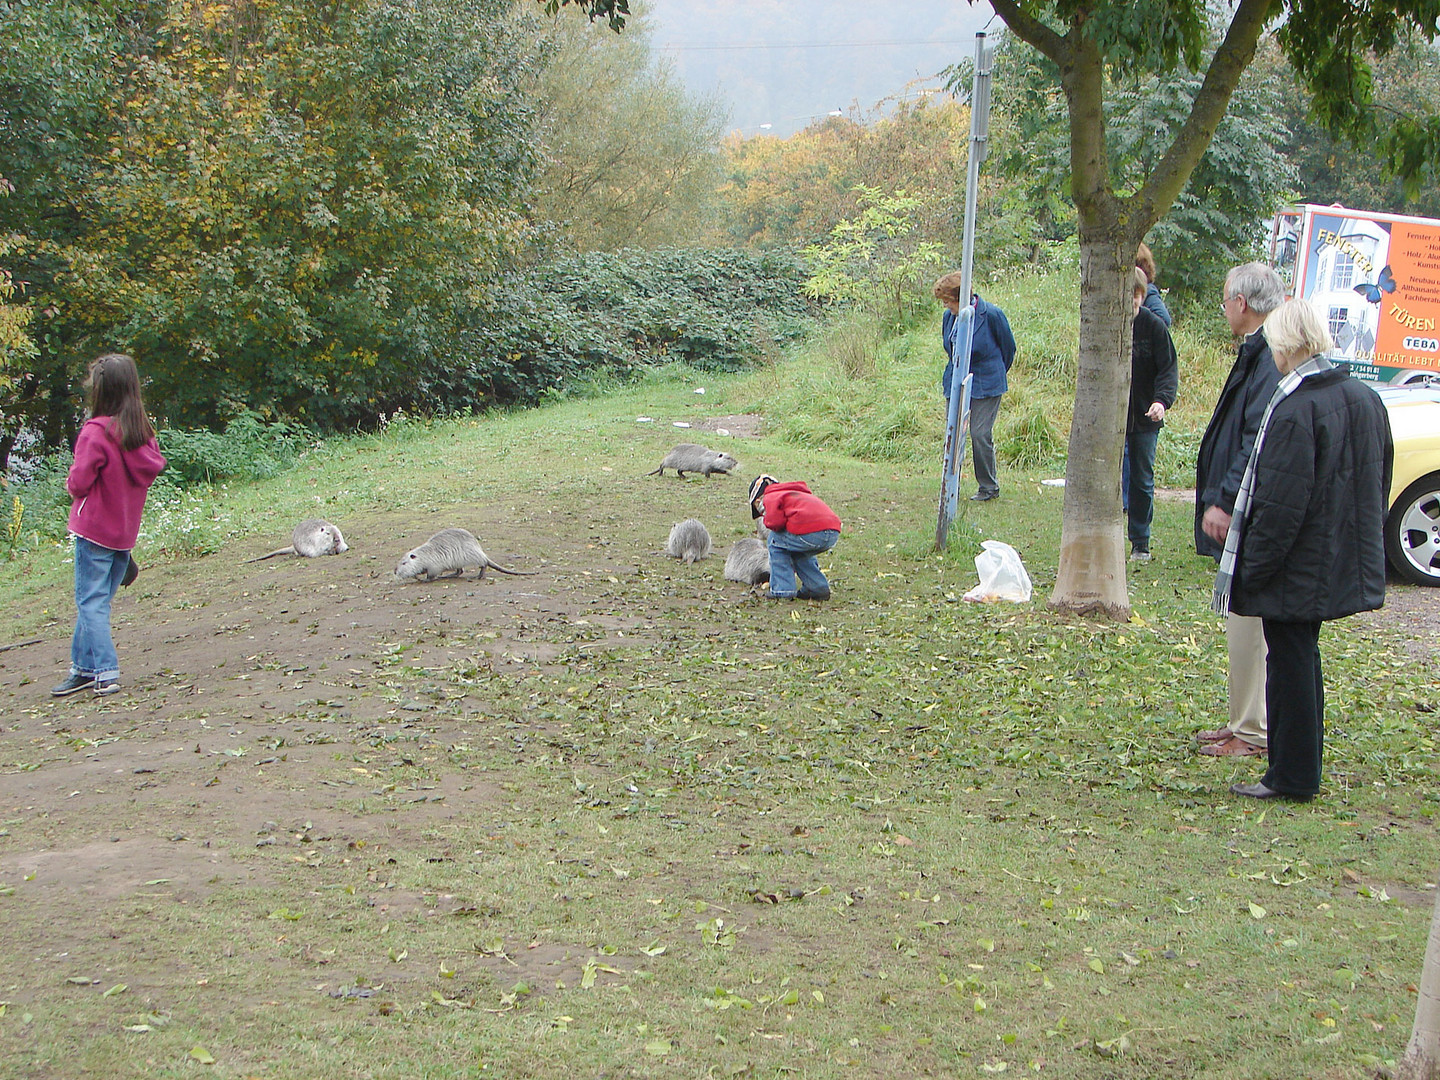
984	496
804	595
72	684
1258	790
107	686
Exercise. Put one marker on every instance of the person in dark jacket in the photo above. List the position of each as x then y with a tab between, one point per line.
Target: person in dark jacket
1154	382
1252	291
1306	540
801	527
992	351
1154	302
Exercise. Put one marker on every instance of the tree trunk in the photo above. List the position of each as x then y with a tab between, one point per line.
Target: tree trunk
1091	576
1422	1055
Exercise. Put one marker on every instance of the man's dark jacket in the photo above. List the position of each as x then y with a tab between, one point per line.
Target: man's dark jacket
1313	543
1154	370
1225	447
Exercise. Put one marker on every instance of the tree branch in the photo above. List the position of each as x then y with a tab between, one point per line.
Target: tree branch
1189	145
1030	29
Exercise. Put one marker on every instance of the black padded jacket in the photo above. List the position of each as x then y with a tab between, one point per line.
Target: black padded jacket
1313	545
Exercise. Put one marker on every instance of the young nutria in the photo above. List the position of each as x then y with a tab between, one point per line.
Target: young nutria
311	539
689	540
748	562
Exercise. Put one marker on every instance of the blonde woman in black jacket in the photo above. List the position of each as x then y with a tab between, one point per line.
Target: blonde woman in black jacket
1306	541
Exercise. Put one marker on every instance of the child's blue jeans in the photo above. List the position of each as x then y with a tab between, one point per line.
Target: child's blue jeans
793	554
98	573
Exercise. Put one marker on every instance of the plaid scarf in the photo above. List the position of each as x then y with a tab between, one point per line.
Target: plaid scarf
1225	578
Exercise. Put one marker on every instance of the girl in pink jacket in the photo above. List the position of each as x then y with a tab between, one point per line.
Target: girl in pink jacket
116	461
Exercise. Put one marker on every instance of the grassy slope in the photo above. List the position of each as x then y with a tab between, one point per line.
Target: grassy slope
948	836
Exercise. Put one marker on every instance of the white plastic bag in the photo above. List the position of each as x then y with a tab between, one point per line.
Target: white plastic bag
1002	574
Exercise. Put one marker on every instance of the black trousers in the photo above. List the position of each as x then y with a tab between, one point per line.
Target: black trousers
1294	706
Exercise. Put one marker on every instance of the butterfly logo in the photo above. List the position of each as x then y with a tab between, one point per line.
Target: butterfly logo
1372	292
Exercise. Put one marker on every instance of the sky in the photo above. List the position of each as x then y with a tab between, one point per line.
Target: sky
787	63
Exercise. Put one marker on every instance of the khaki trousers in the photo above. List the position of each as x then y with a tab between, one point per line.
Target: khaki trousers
1245	643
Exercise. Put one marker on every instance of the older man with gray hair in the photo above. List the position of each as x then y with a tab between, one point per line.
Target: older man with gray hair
1252	292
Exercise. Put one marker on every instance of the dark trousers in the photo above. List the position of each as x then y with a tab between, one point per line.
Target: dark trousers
983	412
1294	706
1137	485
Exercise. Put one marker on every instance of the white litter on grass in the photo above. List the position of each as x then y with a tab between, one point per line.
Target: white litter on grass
699	390
679	423
722	431
1058	482
644	419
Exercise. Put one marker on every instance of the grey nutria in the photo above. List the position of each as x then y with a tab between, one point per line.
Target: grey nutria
692	457
689	540
748	562
449	551
311	538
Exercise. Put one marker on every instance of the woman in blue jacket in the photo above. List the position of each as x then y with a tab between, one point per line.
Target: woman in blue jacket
992	351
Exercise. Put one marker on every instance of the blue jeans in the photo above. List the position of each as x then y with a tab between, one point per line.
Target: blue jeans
1137	485
98	573
794	553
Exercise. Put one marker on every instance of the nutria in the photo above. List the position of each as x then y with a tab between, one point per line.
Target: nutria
311	539
748	562
689	540
692	457
449	551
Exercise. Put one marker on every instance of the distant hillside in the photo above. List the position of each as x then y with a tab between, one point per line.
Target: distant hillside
788	62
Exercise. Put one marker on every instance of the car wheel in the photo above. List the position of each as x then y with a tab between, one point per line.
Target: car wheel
1412	532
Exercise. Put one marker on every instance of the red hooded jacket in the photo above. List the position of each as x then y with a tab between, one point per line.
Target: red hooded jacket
790	507
109	485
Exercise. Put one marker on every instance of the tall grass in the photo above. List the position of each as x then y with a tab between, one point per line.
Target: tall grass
853	389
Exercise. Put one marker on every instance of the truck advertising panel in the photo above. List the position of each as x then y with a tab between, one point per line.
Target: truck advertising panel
1374	277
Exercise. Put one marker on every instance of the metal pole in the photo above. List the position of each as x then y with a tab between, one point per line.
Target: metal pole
957	420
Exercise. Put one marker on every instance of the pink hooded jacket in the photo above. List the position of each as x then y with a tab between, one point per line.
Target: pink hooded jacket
109	485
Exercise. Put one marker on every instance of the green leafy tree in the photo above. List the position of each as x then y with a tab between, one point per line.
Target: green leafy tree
628	155
874	256
61	65
1330	169
286	207
1239	181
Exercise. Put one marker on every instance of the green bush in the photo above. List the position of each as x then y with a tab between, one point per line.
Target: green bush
575	321
248	449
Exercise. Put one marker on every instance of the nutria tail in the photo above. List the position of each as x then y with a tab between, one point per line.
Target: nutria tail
278	551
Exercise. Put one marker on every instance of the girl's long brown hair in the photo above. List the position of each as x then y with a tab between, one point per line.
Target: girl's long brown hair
114	385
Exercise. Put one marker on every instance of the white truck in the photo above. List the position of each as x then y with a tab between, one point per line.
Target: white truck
1376	278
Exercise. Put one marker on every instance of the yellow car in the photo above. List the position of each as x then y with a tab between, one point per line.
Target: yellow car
1412	529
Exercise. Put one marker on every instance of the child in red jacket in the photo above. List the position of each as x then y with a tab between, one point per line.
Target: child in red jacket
801	527
116	461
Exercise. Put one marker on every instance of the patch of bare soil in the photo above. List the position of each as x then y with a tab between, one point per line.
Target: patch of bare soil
158	788
740	425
